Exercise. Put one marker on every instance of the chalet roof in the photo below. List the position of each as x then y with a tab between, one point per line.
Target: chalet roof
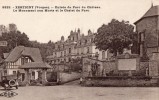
18	51
35	65
153	11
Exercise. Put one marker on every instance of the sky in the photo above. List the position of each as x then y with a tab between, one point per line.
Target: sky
45	26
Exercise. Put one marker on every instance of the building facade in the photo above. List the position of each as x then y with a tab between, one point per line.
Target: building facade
10	28
77	45
147	28
19	56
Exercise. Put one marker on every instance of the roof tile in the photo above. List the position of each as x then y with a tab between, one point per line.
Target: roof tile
18	51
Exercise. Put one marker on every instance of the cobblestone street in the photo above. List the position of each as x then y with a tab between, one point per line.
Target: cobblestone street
68	92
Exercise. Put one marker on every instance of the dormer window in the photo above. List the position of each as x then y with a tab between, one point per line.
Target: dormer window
24	60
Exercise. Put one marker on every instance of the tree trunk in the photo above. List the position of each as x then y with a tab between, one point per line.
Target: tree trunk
115	53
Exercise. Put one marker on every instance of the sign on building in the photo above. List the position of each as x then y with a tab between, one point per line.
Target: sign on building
3	43
127	64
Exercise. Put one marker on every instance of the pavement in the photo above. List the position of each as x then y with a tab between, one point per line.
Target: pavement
73	83
76	92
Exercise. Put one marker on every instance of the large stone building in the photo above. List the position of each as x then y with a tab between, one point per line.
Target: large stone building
147	28
77	45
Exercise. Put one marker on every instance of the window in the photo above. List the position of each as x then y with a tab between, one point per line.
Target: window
80	42
14	72
77	51
69	59
3	43
26	60
55	54
103	54
85	41
61	54
58	46
63	46
73	38
5	72
142	37
33	75
64	53
22	61
88	50
69	50
82	50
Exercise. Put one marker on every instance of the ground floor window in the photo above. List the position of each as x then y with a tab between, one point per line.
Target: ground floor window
33	75
14	72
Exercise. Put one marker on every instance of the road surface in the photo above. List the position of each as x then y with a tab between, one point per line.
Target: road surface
68	92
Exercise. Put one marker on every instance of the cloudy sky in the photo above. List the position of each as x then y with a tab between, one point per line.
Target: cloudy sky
45	26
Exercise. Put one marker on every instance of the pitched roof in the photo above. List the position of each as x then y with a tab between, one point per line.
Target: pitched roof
153	11
18	51
35	65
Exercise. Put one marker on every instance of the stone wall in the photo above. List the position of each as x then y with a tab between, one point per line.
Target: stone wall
51	76
67	77
153	68
110	66
87	62
142	68
122	68
58	67
121	81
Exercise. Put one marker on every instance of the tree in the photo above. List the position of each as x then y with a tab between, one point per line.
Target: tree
46	49
14	39
115	36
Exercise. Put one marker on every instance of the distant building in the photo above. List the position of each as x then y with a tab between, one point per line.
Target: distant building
3	29
76	45
147	28
12	27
